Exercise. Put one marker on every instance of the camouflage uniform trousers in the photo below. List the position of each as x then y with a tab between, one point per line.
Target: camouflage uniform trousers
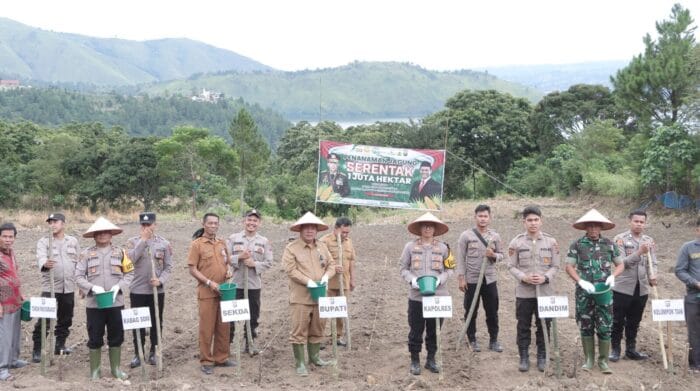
592	317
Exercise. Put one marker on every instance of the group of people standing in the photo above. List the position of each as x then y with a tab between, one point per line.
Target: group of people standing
626	264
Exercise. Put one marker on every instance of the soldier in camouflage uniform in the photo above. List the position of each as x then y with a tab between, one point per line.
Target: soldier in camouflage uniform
593	259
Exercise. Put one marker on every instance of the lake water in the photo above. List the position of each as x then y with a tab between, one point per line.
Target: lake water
345	123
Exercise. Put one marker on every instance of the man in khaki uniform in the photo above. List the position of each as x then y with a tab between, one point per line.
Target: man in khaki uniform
250	250
631	288
307	262
342	228
533	259
471	251
151	254
62	260
104	268
424	256
208	262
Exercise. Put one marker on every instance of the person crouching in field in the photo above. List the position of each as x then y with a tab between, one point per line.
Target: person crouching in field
307	262
424	256
104	268
591	260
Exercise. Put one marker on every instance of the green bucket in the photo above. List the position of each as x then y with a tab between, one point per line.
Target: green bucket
318	291
228	291
427	285
105	299
25	312
603	294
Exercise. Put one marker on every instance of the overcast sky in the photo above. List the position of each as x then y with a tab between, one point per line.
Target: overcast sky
435	34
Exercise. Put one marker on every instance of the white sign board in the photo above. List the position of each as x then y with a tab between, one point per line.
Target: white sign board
665	310
235	310
136	318
333	307
437	306
42	307
553	306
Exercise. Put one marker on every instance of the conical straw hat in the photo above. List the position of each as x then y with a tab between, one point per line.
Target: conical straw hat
102	224
440	227
593	216
309	218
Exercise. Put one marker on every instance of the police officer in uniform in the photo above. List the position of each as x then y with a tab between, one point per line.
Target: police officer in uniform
306	261
533	259
471	251
688	271
145	251
424	256
594	259
104	268
61	259
334	178
342	228
632	285
250	250
208	262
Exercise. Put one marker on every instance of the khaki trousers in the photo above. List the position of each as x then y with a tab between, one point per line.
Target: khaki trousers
212	330
340	322
307	326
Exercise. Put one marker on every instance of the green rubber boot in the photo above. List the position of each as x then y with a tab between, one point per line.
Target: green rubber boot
115	357
603	351
299	359
314	355
589	352
95	361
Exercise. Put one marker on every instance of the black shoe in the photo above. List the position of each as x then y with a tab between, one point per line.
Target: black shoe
614	354
135	362
432	366
475	346
36	356
227	364
62	350
342	343
524	361
541	362
152	358
415	368
207	369
635	355
495	346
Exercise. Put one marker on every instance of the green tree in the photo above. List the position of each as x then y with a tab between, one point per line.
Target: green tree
252	150
669	159
661	85
560	115
488	128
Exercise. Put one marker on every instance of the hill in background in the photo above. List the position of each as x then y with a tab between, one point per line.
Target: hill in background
34	54
548	78
357	90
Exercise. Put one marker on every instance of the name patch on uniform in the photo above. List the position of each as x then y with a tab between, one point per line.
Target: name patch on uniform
553	306
234	310
333	307
695	256
42	307
667	310
437	306
136	318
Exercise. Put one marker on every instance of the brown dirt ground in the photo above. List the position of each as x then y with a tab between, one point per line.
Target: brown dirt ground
379	357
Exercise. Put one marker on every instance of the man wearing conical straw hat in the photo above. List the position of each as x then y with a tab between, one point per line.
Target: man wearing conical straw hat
424	256
104	268
591	260
308	264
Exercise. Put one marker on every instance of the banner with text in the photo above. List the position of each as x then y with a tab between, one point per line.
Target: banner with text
380	176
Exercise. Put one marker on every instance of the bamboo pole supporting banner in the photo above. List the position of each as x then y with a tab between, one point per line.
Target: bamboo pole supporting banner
139	347
52	287
248	332
660	331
